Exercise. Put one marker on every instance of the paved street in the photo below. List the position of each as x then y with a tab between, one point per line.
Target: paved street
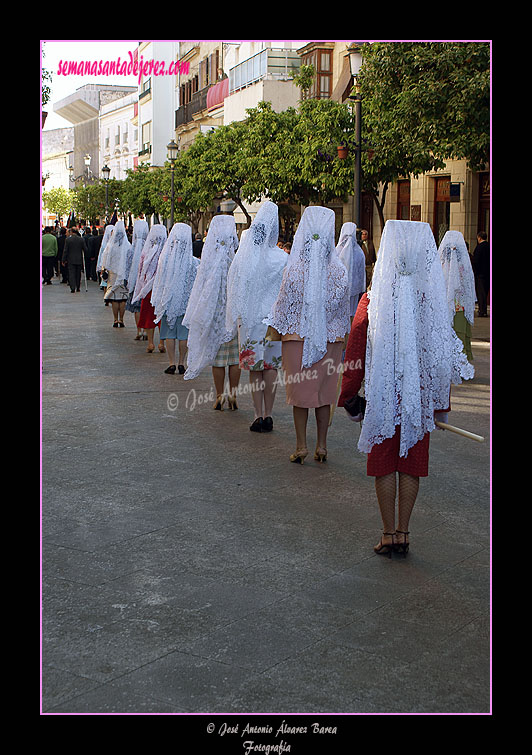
189	567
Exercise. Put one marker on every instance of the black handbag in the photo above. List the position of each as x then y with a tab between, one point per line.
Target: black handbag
355	406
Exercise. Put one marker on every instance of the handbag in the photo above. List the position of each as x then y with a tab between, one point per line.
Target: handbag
355	407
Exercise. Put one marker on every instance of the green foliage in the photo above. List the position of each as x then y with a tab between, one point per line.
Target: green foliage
422	104
58	200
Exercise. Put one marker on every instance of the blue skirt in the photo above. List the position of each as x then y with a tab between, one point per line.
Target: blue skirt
179	332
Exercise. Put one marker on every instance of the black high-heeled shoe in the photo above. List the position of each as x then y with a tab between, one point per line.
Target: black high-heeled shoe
404	546
385	549
171	369
267	425
256	427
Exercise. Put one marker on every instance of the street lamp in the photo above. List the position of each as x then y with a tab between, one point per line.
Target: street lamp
355	63
106	171
173	149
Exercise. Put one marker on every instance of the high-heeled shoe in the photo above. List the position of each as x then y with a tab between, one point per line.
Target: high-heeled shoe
404	546
256	427
219	403
267	425
320	454
385	549
231	400
162	349
299	456
150	349
171	369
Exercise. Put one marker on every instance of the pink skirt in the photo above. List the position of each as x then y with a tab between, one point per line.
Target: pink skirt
314	386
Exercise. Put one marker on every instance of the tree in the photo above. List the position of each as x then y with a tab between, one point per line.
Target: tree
58	201
137	192
423	103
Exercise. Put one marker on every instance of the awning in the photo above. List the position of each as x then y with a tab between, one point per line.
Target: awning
217	93
339	92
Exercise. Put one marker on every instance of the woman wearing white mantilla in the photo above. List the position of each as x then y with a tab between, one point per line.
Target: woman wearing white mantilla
175	276
312	315
253	284
210	342
460	285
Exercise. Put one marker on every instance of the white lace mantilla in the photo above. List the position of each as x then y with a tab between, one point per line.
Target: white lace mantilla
314	297
175	276
205	316
149	258
354	259
256	272
412	355
458	274
140	234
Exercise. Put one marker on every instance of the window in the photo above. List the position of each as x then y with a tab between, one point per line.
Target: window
322	61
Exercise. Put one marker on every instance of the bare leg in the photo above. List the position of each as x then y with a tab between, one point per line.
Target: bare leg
182	351
322	425
385	488
114	305
170	348
257	392
149	333
218	375
121	310
234	378
300	423
139	330
269	377
408	490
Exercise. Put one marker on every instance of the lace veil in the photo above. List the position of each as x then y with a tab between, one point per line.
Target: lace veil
314	297
413	354
149	258
106	236
176	272
458	274
206	311
354	259
256	272
115	255
140	234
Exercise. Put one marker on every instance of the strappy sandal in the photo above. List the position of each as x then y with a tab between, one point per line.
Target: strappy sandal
404	546
385	549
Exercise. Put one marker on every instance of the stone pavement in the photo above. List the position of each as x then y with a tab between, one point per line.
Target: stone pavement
189	567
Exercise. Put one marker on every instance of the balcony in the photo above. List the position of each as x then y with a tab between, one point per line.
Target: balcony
198	102
271	63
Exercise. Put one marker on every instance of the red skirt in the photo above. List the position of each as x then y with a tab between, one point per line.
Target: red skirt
384	458
147	314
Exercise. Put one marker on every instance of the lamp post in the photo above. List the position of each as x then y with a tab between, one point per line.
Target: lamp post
355	63
173	149
106	172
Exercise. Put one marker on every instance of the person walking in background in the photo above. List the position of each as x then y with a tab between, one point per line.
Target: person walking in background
49	255
210	342
481	269
368	248
311	313
140	234
403	347
253	285
352	256
197	246
62	269
175	276
460	286
73	257
149	258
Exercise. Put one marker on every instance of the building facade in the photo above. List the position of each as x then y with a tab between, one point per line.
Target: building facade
119	136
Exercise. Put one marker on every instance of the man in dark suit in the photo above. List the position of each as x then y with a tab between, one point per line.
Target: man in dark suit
73	257
197	246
